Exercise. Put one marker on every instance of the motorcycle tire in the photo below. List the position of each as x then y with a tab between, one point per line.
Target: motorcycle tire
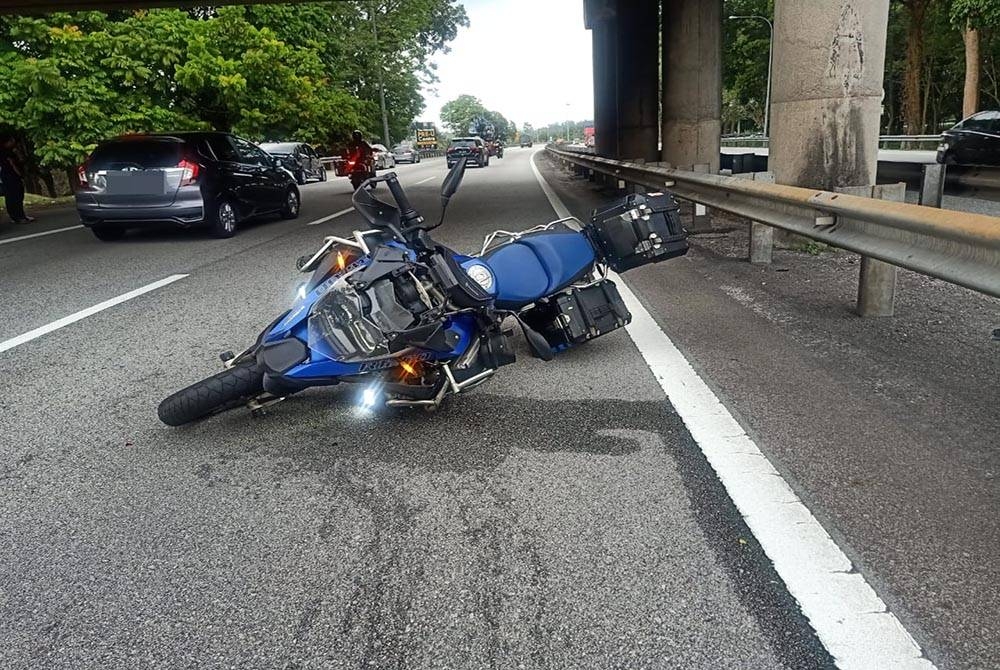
224	390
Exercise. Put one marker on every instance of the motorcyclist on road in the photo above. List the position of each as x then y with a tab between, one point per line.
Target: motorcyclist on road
362	159
359	150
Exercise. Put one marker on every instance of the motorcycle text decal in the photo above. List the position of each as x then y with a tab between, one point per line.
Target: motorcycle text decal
387	363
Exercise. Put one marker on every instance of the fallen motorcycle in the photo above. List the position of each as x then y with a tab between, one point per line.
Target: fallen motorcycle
412	321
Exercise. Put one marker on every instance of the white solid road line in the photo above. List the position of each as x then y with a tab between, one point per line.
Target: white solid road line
848	616
84	313
41	234
330	217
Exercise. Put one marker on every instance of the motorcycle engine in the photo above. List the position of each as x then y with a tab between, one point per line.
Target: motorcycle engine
361	323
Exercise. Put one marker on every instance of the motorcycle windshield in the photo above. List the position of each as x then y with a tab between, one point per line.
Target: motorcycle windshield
339	325
377	213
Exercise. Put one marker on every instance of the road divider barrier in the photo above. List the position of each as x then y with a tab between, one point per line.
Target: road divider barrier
958	247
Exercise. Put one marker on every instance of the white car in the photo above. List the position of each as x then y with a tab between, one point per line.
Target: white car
383	157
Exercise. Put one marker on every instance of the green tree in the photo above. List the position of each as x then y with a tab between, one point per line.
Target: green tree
971	17
300	71
745	64
459	113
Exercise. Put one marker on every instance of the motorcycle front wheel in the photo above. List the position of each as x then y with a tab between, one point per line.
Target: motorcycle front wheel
225	390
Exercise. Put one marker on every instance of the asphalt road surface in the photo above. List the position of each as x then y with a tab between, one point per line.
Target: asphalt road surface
559	516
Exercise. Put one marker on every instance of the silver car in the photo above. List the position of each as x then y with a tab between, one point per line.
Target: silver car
383	157
405	153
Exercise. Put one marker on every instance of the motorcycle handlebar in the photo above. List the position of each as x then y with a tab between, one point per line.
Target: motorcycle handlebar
407	213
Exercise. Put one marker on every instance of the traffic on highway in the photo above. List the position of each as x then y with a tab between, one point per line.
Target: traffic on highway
331	340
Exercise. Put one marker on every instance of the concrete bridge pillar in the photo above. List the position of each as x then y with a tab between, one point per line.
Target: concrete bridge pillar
601	18
692	82
826	95
638	79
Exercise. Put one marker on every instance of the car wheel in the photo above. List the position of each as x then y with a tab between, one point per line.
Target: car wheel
322	174
108	233
225	220
300	177
290	210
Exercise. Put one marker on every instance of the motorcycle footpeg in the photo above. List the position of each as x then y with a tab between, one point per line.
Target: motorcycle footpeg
226	356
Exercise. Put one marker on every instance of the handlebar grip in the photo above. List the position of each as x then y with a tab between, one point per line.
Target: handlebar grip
408	215
398	195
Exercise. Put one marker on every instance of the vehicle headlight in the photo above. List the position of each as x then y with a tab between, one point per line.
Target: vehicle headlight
482	276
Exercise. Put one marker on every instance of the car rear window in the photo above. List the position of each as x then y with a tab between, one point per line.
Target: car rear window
146	154
281	148
463	143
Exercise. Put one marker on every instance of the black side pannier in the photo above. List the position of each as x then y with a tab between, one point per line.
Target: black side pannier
579	314
639	230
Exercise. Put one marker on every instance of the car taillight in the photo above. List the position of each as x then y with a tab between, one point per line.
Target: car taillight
81	175
190	170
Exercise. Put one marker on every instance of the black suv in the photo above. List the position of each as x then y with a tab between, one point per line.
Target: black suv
473	149
197	179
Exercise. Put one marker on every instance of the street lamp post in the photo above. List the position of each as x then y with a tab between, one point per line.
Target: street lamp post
770	64
381	83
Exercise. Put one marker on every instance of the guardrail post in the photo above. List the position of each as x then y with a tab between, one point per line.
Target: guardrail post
700	219
932	185
636	188
761	235
877	280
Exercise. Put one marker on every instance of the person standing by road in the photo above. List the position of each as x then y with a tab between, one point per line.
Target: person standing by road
12	176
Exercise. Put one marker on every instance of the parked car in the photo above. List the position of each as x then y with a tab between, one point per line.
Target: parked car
973	141
525	142
193	179
472	148
405	152
383	157
298	158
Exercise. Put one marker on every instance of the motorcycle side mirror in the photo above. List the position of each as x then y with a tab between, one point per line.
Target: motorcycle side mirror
452	181
450	185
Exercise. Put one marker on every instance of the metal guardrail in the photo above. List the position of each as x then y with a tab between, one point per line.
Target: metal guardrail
959	247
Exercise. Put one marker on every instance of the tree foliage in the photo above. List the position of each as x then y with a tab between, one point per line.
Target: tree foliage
305	71
467	111
925	63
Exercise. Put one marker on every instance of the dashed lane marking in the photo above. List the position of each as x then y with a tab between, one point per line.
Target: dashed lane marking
330	217
84	313
10	240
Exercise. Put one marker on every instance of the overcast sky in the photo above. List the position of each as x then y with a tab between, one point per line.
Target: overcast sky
523	58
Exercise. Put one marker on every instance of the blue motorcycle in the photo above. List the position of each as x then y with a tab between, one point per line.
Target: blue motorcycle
412	321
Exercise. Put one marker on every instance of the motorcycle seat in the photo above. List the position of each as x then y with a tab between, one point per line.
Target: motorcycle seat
538	264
